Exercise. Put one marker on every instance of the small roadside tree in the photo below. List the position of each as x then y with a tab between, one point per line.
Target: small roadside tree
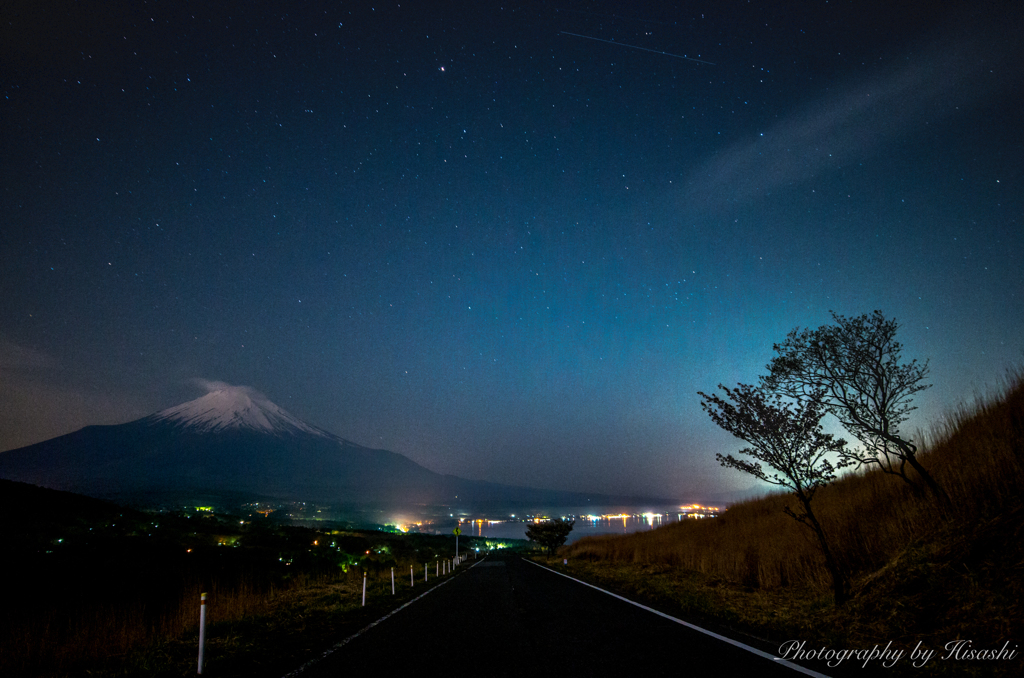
855	364
788	439
550	534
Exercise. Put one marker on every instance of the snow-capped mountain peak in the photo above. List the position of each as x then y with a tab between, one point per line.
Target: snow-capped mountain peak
228	407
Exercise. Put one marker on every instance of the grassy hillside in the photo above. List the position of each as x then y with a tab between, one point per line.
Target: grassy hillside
918	574
101	590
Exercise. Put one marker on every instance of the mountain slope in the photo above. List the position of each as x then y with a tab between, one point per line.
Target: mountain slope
235	441
235	407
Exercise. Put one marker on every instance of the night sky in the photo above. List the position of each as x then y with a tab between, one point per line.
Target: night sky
509	241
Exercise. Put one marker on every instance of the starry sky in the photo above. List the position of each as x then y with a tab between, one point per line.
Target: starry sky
510	241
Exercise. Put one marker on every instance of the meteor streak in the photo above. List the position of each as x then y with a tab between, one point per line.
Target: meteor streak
621	44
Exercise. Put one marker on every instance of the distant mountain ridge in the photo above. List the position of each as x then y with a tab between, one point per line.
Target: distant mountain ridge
235	442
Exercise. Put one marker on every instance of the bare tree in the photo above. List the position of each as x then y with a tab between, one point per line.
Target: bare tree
788	438
856	364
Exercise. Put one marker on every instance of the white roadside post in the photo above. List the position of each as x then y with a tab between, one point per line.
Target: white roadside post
412	582
202	630
392	581
364	588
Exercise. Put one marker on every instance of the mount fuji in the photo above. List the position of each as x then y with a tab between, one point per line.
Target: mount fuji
236	445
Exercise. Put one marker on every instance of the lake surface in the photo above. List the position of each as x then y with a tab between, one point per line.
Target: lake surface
589	521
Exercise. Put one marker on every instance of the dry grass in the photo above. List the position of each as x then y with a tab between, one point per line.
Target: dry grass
917	576
251	630
869	517
59	640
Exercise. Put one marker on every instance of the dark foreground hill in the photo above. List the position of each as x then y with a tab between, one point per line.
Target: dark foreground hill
100	590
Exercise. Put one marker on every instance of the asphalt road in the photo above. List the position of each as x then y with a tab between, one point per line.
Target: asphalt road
507	617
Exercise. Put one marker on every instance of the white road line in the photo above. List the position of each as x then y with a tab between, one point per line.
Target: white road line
361	631
736	643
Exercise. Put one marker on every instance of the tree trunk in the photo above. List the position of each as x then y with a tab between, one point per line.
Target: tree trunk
840	590
940	494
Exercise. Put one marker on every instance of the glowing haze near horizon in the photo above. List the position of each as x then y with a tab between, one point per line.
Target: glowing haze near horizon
510	253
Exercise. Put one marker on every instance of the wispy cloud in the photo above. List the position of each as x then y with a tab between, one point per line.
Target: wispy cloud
212	385
37	401
16	357
861	118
